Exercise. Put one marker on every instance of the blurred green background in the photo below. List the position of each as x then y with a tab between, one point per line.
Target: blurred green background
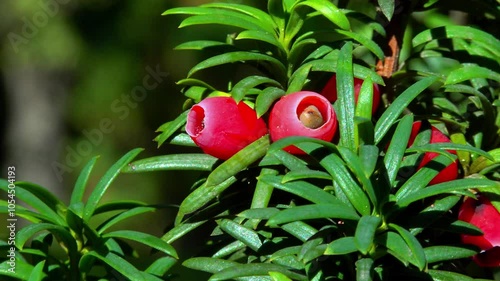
76	81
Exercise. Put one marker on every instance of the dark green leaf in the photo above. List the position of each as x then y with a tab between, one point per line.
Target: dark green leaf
298	79
396	246
234	57
226	18
186	161
198	45
397	147
441	275
330	65
342	246
432	213
211	265
243	86
254	269
241	233
305	174
180	230
276	276
365	100
364	269
476	36
223	176
356	166
470	71
259	35
22	270
419	257
169	128
81	182
47	212
302	189
266	99
44	195
440	147
423	176
263	193
368	155
259	15
118	264
299	230
229	249
316	211
62	233
183	139
161	266
345	104
357	197
447	187
105	182
392	113
328	10
445	253
365	42
122	216
259	213
143	238
365	232
387	7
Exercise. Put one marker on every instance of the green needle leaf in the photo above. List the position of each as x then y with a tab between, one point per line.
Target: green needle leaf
392	113
144	238
365	232
101	187
187	161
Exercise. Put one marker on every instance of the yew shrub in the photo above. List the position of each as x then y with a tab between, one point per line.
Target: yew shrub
366	200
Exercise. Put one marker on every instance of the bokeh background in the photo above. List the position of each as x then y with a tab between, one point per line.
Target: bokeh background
72	86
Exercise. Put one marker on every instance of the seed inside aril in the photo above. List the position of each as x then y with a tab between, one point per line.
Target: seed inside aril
311	117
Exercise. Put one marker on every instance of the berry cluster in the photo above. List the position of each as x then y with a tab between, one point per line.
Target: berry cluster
221	127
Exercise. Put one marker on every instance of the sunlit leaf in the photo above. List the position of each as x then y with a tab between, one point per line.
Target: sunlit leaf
477	36
191	162
241	233
470	71
328	10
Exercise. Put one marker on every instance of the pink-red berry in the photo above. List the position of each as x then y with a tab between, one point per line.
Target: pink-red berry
450	172
302	113
221	127
486	217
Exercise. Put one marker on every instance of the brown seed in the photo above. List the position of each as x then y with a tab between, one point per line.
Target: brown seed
311	117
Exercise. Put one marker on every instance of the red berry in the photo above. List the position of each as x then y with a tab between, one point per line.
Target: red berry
486	217
302	114
221	127
330	91
450	172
